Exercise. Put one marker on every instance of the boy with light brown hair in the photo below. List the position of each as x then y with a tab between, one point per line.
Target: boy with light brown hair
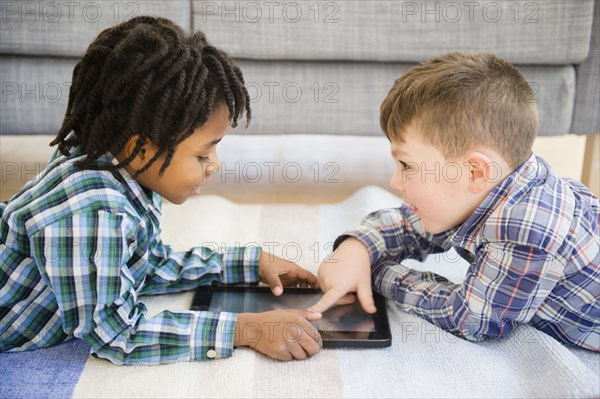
461	128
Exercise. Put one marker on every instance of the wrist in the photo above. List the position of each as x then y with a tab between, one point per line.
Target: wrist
355	249
350	254
239	338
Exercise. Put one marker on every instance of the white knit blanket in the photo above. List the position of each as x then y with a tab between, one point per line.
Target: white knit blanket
423	361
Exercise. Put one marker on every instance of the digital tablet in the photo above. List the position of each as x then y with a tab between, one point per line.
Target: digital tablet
341	325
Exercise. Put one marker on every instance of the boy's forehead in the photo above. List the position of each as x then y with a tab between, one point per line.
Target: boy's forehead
402	141
212	131
414	146
202	139
399	148
396	151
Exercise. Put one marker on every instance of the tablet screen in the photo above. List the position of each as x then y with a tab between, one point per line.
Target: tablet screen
340	326
338	318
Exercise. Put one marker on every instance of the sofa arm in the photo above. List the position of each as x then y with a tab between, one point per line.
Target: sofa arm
586	118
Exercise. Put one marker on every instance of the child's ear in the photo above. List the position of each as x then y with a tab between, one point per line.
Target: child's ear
483	172
129	148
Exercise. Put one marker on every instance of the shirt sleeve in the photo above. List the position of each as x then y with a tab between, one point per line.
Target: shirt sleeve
173	271
90	263
396	234
506	285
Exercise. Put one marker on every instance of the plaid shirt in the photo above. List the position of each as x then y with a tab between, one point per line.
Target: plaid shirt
78	248
533	245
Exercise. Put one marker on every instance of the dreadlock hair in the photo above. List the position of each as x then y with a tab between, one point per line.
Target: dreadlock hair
146	76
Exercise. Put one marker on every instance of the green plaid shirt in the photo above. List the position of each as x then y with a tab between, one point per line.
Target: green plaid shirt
78	248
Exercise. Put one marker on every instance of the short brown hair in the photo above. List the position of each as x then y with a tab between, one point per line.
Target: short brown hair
462	99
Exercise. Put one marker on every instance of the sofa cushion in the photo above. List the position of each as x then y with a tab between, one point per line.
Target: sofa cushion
287	97
525	32
344	98
67	28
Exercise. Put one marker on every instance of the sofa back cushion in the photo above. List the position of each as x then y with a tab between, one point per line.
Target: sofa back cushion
311	67
57	28
524	32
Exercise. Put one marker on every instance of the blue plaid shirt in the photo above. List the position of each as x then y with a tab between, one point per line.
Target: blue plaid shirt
78	248
533	245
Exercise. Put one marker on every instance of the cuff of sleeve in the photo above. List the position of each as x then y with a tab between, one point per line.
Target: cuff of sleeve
372	240
212	335
240	265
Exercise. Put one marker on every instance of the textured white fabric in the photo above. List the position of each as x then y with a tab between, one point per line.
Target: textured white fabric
423	361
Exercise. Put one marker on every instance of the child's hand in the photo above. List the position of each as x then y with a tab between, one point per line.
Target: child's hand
346	270
280	334
278	272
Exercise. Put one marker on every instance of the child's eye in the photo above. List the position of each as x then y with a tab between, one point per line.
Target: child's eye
405	166
202	159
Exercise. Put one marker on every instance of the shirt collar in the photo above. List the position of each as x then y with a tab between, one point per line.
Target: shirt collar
148	199
510	190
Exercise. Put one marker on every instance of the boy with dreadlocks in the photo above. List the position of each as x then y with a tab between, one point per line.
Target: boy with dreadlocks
80	242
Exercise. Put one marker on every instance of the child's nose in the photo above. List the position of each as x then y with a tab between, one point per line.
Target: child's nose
211	167
396	182
215	165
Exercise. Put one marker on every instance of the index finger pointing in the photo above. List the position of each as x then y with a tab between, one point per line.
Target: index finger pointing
328	300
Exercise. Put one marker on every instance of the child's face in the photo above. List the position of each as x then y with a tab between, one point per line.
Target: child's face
194	161
441	191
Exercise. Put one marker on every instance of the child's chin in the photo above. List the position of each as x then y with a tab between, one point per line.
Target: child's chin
433	229
177	201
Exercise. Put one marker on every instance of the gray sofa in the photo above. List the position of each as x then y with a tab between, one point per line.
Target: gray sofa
319	69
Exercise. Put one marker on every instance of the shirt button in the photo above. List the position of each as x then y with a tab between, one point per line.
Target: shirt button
211	354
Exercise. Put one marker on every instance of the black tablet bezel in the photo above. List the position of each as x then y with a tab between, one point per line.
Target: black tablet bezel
379	338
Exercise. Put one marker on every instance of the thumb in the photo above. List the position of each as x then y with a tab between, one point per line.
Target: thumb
307	314
312	316
365	297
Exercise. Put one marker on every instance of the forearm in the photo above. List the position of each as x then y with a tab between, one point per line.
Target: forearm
395	234
505	286
429	296
167	337
175	271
